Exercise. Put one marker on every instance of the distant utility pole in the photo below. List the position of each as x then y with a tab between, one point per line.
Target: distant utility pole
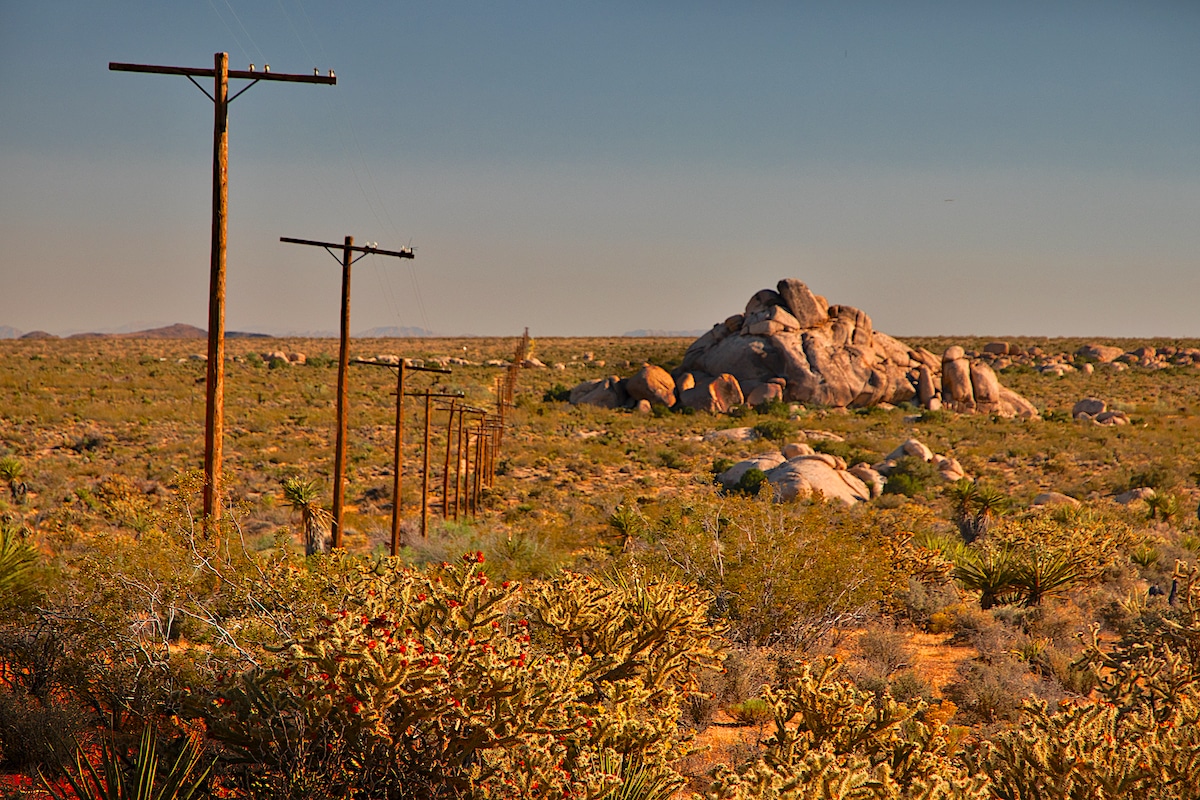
339	460
214	414
398	453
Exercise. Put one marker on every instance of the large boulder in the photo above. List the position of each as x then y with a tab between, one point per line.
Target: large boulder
718	395
652	384
804	475
804	305
1105	354
602	392
957	392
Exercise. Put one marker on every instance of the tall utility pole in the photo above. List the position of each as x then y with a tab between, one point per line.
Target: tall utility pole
339	461
214	409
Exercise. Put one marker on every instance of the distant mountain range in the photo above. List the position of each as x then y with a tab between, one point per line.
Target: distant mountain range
181	330
656	332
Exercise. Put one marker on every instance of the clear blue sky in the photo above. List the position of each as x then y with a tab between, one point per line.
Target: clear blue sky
991	168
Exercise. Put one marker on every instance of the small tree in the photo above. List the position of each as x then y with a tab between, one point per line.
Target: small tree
303	496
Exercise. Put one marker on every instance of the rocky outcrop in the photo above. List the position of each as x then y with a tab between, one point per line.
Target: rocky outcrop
789	344
833	356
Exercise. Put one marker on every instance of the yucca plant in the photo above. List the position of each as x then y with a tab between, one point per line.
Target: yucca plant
992	573
13	471
18	562
975	507
182	780
304	497
1040	573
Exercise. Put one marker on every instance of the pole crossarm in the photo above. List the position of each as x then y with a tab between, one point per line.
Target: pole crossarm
408	367
406	252
459	395
201	72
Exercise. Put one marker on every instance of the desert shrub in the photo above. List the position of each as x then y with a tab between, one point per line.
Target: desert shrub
775	430
925	604
320	360
721	464
993	690
751	711
751	482
438	682
557	394
37	734
782	572
844	450
911	477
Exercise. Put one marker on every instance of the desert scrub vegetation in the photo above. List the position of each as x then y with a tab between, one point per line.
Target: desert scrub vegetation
608	531
781	572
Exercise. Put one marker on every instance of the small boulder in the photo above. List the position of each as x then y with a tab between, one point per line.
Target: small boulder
957	392
731	435
912	447
764	393
793	449
1088	407
1055	499
801	477
1102	353
870	478
730	477
1133	495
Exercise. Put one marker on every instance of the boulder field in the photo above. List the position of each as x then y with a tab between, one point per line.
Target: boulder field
791	345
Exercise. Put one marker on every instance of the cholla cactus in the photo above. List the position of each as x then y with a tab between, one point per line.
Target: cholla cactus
440	682
1141	738
833	740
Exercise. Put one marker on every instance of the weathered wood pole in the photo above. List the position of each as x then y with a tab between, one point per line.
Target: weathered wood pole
343	394
479	464
459	469
398	464
425	474
214	413
446	467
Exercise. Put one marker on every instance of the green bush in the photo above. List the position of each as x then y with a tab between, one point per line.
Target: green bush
776	430
911	477
751	482
557	394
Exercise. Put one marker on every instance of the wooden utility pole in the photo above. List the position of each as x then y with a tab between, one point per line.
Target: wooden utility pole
398	453
348	248
214	409
428	395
